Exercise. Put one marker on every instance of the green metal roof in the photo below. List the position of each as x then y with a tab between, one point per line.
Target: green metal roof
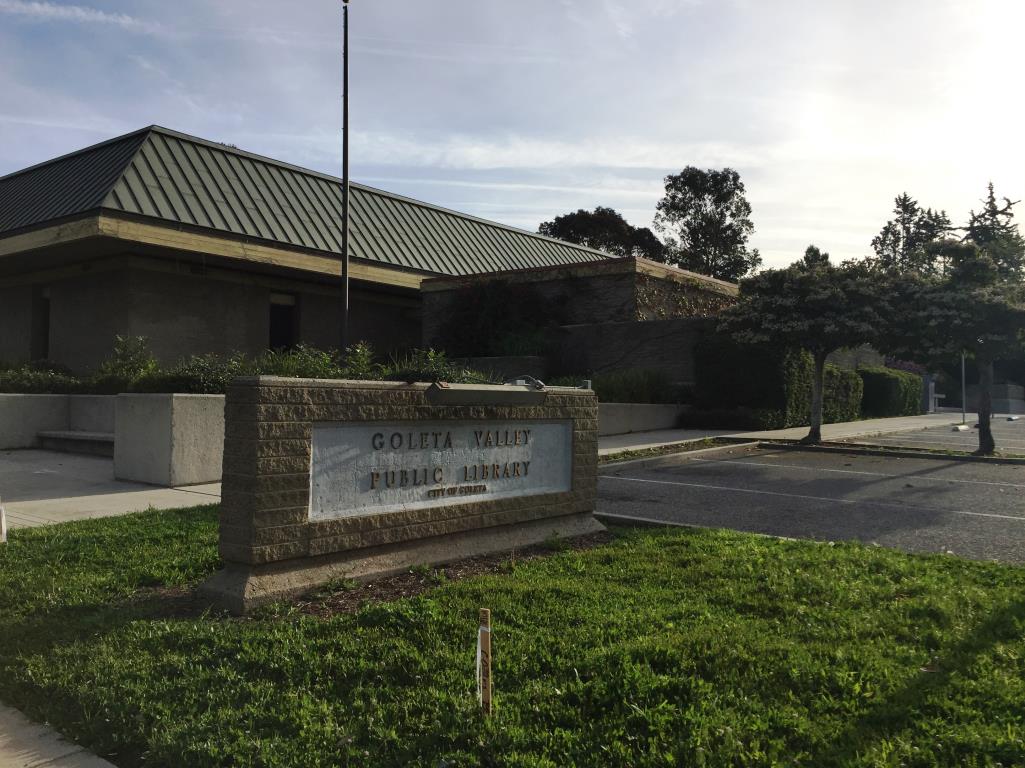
171	177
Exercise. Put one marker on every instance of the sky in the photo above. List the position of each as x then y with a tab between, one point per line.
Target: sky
519	112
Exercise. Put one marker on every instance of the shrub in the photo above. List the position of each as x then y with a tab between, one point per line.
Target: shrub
890	392
359	363
199	374
300	362
132	369
633	385
495	317
755	419
130	360
431	365
765	385
25	380
842	396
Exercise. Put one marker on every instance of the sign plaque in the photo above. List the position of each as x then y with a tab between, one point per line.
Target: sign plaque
359	469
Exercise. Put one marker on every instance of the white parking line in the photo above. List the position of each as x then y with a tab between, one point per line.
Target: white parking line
859	472
834	500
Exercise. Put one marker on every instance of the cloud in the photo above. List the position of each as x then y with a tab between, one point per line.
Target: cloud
480	153
620	19
78	14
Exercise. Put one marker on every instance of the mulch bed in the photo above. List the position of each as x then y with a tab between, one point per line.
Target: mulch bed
355	595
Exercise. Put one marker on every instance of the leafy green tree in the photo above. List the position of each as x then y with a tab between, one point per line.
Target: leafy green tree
902	243
605	229
708	218
814	258
811	305
971	309
994	231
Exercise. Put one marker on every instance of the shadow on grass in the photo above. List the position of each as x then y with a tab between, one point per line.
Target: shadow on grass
42	633
904	706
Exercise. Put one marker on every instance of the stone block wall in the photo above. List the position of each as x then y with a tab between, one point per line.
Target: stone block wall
267	457
580	296
664	345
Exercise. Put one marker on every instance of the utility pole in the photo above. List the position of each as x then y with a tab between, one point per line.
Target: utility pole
345	175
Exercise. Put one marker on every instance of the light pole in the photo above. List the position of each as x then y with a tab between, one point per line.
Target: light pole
345	175
964	394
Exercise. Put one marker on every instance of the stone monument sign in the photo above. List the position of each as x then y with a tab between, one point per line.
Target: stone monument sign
350	479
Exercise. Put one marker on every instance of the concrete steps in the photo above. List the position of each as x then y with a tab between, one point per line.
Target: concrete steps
78	441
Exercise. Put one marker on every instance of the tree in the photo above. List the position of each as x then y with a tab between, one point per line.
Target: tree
993	230
606	230
811	305
814	258
971	309
902	243
708	218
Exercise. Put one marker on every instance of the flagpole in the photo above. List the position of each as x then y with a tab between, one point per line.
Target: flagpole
345	175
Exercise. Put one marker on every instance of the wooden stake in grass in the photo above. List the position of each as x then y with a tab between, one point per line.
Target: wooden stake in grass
484	661
3	524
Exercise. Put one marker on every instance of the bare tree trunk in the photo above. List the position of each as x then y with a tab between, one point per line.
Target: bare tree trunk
814	436
986	443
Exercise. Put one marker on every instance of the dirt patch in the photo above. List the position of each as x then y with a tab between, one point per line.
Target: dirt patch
349	597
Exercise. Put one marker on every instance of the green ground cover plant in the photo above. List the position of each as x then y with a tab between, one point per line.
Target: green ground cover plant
663	648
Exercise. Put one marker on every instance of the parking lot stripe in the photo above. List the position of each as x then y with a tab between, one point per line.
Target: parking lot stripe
858	472
904	507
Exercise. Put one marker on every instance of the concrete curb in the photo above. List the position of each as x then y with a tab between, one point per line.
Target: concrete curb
648	460
639	522
861	449
626	521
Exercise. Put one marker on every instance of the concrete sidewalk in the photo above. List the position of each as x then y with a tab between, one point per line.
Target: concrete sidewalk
639	441
848	429
24	744
44	487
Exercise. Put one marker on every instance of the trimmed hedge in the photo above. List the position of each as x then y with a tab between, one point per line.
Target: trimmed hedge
754	387
889	392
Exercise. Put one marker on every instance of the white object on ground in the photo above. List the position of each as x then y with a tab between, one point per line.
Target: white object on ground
3	525
960	428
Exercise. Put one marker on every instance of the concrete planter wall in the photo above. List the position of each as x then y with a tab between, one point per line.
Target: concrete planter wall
621	418
169	440
23	417
91	413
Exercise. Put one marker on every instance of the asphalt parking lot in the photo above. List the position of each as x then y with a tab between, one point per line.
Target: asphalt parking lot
1009	437
918	505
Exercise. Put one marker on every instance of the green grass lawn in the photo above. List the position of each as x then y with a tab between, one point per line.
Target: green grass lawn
671	648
